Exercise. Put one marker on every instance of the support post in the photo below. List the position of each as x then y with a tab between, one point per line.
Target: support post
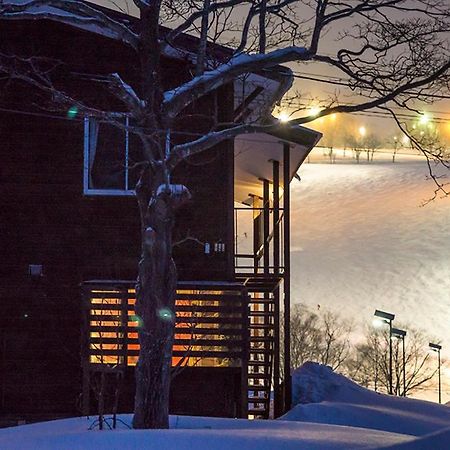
287	278
278	398
85	362
266	225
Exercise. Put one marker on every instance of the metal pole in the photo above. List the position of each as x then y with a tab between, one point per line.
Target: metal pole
376	367
287	278
266	225
439	374
404	368
278	405
390	357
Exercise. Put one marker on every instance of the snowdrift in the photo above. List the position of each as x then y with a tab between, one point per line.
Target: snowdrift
194	433
332	413
322	396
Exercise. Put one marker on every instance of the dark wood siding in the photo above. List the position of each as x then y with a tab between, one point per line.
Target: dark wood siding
46	219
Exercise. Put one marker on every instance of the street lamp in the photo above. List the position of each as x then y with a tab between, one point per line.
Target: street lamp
382	317
400	334
437	348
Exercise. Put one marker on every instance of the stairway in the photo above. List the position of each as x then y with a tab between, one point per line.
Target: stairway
261	345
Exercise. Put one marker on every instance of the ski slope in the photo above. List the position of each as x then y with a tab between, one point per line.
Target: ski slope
361	240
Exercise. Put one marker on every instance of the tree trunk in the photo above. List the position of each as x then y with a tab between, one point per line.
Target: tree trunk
155	307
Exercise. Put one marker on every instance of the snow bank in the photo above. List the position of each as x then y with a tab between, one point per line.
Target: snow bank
194	433
322	396
435	441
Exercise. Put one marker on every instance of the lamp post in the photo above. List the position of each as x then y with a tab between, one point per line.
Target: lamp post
400	334
437	348
385	317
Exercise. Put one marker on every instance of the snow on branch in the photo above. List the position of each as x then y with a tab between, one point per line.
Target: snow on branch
126	93
70	12
177	99
182	151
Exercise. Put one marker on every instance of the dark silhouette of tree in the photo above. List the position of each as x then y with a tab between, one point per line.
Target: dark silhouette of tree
386	52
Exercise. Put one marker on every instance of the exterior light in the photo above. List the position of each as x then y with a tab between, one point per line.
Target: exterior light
424	119
386	317
405	140
284	117
362	131
437	348
378	323
314	111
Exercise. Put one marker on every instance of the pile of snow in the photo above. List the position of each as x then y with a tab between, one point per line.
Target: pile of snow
194	433
332	413
323	396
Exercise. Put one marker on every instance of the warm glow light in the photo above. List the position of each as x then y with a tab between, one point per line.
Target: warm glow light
362	131
284	117
405	140
424	119
314	111
377	323
333	117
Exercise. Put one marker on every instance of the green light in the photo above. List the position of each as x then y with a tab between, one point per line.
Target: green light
72	112
166	314
138	320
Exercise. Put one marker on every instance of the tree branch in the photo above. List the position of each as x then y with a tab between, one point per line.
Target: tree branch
176	100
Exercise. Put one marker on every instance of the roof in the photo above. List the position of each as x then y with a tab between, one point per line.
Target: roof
254	154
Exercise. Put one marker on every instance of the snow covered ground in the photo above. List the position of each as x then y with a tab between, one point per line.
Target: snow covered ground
361	241
342	416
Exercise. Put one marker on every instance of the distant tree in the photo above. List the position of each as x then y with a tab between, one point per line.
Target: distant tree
355	145
372	144
321	336
369	365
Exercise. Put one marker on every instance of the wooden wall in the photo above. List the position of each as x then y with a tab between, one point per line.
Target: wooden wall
45	219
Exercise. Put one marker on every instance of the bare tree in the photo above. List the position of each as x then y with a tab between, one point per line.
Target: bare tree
355	145
321	336
372	144
386	52
370	363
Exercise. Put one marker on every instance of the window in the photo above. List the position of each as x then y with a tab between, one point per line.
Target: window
110	154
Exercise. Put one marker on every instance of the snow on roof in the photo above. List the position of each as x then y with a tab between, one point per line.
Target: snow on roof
254	153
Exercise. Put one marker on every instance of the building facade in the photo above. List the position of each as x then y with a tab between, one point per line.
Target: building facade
70	240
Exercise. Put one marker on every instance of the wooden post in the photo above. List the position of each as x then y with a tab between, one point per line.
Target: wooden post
85	362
